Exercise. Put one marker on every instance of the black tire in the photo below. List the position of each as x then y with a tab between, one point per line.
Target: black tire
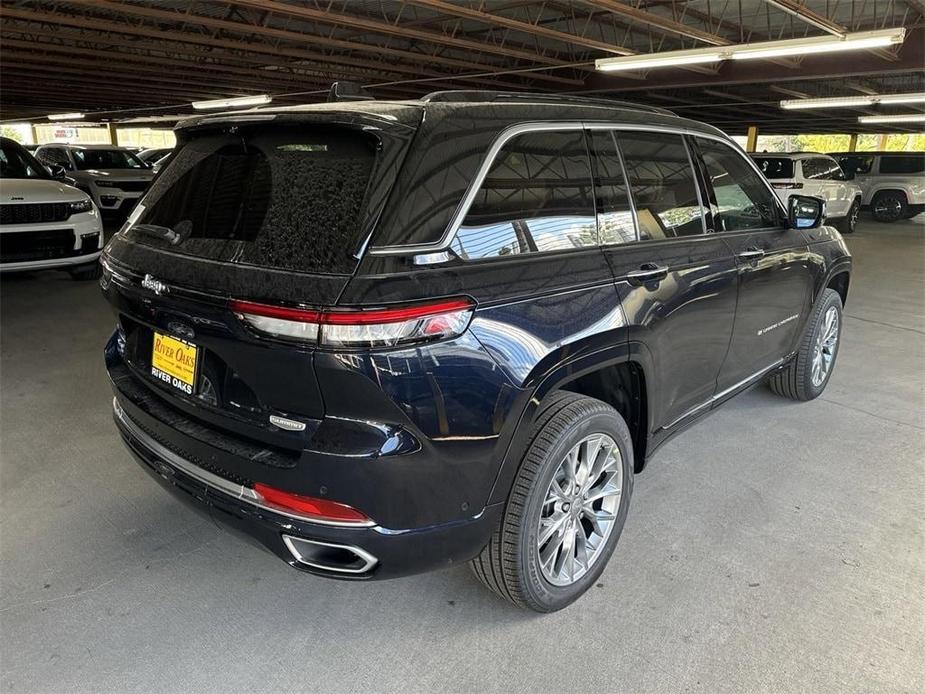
87	272
796	380
509	563
889	206
850	223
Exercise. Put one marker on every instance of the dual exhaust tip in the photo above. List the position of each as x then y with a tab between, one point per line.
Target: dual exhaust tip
329	556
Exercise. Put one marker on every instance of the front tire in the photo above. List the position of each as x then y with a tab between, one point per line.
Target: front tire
850	223
806	376
889	206
567	506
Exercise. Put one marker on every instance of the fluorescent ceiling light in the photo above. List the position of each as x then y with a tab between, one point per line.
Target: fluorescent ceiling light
818	44
835	102
912	98
747	51
666	59
904	118
237	102
65	116
848	101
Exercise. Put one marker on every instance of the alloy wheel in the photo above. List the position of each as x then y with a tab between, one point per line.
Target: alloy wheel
580	509
826	346
888	208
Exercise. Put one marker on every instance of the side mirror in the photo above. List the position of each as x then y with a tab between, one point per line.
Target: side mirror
805	212
57	171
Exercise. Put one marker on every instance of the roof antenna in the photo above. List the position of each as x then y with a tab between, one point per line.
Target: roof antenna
349	91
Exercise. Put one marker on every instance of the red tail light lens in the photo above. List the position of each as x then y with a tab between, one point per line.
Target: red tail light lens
309	507
377	327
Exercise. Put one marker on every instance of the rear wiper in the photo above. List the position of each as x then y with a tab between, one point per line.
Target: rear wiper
172	237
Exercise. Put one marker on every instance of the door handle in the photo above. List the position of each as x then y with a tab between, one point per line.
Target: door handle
649	272
751	254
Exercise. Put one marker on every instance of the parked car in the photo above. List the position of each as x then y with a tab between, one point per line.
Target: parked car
388	337
893	183
818	175
113	177
43	222
152	155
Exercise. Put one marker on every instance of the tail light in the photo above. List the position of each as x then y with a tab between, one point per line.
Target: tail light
787	185
373	327
309	507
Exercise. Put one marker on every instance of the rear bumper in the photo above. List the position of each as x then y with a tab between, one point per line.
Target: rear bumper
377	552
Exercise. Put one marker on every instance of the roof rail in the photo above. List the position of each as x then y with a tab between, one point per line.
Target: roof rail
478	96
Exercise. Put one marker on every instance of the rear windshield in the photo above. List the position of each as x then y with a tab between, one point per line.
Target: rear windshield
775	167
106	159
289	199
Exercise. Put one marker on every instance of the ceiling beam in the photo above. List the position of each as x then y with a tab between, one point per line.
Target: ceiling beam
659	22
458	10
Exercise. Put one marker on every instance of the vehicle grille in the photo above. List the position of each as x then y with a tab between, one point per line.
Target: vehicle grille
17	247
33	213
131	186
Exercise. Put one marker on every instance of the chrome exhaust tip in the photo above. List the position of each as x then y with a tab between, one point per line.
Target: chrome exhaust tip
329	556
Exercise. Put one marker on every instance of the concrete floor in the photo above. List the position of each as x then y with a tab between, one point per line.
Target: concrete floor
775	547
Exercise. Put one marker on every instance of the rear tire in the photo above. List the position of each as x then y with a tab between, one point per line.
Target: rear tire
517	564
806	376
889	206
87	272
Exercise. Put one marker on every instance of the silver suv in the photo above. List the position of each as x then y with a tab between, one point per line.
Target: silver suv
114	177
893	183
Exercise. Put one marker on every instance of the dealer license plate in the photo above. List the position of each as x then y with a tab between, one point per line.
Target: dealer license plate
174	362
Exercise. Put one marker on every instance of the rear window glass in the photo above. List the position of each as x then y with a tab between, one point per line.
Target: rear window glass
286	199
909	164
775	167
106	159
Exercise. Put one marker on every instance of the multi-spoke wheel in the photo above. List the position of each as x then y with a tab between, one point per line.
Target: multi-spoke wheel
889	206
567	506
580	509
806	376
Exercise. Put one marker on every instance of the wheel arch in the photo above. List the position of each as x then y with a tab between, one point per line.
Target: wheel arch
839	280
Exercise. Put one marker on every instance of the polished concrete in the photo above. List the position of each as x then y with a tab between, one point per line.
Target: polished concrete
775	547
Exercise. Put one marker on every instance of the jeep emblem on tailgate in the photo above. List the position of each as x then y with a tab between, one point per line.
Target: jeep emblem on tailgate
155	285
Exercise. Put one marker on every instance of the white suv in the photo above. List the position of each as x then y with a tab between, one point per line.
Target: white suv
819	175
43	222
893	183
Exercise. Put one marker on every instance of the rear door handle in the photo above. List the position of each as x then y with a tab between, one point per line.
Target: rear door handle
649	272
751	254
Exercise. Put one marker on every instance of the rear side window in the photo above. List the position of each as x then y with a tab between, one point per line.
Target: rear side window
287	199
614	213
856	165
663	185
536	197
775	167
106	159
910	164
743	200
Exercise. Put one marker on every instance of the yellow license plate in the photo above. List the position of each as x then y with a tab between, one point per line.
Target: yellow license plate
174	362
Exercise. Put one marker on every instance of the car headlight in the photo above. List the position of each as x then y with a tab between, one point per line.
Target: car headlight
81	206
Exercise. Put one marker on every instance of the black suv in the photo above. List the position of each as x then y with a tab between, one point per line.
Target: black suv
387	337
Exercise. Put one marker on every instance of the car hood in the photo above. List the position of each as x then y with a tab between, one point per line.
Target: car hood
114	174
26	190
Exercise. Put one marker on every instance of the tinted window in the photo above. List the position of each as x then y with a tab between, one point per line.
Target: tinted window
106	159
910	164
282	199
54	155
855	165
822	170
16	162
663	185
775	167
743	200
614	214
536	197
